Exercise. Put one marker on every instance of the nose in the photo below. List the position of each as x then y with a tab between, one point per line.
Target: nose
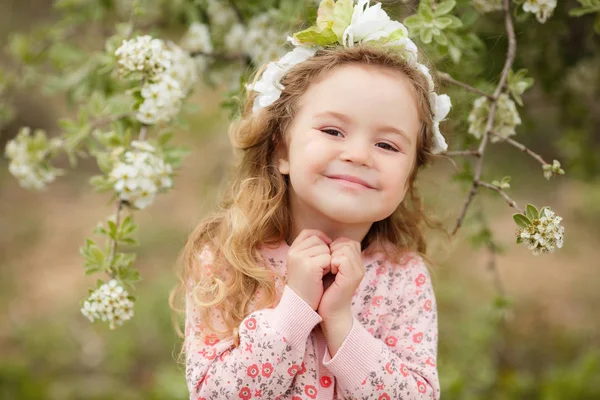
356	150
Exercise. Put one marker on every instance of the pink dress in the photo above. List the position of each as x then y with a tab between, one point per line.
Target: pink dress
390	352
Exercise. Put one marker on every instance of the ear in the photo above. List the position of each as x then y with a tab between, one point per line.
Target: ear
283	165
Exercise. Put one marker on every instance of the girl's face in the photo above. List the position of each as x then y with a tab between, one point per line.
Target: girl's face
351	145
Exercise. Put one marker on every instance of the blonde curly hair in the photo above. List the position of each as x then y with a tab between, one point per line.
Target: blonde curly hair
254	208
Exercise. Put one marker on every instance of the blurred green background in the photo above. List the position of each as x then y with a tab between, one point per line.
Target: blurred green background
545	346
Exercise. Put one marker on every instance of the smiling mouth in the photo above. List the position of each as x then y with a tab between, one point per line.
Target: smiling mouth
350	182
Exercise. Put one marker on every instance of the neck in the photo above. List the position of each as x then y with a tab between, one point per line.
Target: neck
304	217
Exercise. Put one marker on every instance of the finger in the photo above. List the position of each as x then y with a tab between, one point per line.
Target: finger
316	250
307	243
305	233
334	269
343	241
323	261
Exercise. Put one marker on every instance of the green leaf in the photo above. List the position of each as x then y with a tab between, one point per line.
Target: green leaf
112	230
455	54
427	35
396	35
342	16
314	35
444	7
531	212
521	220
441	39
325	13
414	22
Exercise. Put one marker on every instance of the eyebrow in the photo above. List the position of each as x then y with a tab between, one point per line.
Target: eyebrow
347	119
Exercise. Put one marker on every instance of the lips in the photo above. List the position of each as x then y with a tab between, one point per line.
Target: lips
351	178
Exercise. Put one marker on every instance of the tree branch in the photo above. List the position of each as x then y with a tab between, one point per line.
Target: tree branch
510	57
521	147
447	78
510	201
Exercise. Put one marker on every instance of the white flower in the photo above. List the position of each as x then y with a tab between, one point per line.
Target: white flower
162	100
184	68
260	40
542	9
505	120
552	169
370	23
269	86
440	105
110	303
197	38
143	54
140	175
28	158
544	235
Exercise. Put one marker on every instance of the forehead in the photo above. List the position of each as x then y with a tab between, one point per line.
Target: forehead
367	93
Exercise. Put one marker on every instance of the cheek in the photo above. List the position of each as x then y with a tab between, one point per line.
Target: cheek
310	154
394	178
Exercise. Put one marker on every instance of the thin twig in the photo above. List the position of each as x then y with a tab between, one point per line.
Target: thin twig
143	131
521	147
461	153
512	49
113	244
447	78
510	201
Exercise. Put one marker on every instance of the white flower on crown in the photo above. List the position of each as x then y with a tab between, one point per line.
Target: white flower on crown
367	23
269	86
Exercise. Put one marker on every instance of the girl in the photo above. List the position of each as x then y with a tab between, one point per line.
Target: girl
310	282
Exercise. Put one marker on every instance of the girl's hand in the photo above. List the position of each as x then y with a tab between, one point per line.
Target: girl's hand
308	259
348	269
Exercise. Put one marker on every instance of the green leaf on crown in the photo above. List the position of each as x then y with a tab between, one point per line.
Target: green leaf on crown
325	14
342	16
316	35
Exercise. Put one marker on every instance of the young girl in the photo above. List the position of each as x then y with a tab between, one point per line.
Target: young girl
310	282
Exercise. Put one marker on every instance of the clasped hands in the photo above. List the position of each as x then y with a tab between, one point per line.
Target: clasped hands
312	256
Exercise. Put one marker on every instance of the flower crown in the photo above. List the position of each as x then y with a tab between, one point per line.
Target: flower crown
346	24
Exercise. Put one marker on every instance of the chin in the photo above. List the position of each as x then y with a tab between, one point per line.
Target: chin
350	214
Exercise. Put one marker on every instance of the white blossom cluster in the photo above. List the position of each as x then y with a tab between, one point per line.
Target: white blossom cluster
544	235
162	100
505	120
552	169
28	159
259	39
197	38
184	69
140	175
109	303
170	73
143	54
542	9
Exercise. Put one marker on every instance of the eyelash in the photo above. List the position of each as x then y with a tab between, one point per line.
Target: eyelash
390	147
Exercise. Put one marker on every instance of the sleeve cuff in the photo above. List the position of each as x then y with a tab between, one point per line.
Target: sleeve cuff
356	357
295	318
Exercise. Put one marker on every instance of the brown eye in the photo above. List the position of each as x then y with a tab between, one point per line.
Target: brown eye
331	132
387	146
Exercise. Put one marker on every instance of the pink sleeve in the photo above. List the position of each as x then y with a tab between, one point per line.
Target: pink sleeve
270	341
401	365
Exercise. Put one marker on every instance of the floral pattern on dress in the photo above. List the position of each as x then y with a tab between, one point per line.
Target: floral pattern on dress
390	352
